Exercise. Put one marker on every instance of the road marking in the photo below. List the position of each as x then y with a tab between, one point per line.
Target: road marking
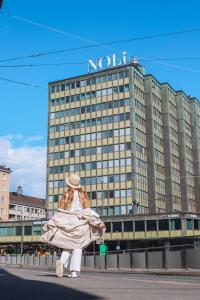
119	278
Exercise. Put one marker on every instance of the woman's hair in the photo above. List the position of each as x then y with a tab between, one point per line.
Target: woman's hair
70	192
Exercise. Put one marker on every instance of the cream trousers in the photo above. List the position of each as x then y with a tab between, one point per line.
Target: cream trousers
72	258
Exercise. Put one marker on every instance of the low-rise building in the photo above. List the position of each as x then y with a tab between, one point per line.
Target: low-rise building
23	207
4	192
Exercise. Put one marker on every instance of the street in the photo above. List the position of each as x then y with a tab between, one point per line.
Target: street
18	283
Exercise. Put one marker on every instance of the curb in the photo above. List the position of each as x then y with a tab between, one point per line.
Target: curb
118	271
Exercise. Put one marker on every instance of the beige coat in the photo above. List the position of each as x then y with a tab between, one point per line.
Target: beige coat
72	229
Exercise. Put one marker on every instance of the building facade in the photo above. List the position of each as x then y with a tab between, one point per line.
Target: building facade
133	141
4	192
23	207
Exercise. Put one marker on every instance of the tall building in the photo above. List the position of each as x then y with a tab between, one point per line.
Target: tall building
133	141
4	192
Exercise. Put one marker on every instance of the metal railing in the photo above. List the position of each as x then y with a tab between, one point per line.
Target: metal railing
181	257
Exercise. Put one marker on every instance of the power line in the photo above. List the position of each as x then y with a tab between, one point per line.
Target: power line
82	63
161	61
34	55
40	65
22	83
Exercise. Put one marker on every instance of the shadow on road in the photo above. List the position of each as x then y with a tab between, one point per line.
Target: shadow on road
16	288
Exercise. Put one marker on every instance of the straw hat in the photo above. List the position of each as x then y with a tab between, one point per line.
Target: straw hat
73	181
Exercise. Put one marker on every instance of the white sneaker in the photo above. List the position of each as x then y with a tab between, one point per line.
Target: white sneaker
59	269
73	274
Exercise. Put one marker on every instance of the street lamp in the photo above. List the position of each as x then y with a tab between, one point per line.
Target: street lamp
22	238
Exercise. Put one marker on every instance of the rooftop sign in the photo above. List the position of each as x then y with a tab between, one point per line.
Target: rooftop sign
106	62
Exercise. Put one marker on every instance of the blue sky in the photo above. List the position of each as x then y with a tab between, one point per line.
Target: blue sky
23	112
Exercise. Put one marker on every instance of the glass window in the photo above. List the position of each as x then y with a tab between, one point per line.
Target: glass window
123	210
27	230
99	210
18	230
128	226
163	224
114	76
83	96
110	163
123	193
98	80
111	210
122	162
77	84
126	73
72	85
175	224
115	90
98	93
122	147
128	161
88	81
121	88
117	226
117	193
189	224
94	80
151	225
139	226
109	91
126	88
105	211
196	224
37	230
10	231
117	210
52	89
108	226
116	147
116	162
121	75
58	88
129	209
122	177
109	77
3	231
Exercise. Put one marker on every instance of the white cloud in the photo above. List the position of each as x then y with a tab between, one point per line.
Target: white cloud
28	164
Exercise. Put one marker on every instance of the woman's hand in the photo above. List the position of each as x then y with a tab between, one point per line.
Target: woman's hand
86	203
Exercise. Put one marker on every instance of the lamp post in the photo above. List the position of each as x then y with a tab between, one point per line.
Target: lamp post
22	238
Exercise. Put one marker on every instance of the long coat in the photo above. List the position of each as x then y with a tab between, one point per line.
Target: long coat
73	229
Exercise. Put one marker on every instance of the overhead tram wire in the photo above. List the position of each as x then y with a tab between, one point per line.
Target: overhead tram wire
105	44
84	62
35	55
161	61
23	83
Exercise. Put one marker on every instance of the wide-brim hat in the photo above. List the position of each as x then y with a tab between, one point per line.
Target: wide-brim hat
73	181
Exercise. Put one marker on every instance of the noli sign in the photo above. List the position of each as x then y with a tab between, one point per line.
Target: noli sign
106	62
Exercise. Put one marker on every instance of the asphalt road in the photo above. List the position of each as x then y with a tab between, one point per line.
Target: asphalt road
17	284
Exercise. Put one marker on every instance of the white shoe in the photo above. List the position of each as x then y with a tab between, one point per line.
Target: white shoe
73	274
59	269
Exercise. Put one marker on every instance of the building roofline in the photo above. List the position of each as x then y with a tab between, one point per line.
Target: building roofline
5	169
25	200
94	73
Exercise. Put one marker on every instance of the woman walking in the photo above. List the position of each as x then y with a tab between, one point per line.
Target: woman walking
73	227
